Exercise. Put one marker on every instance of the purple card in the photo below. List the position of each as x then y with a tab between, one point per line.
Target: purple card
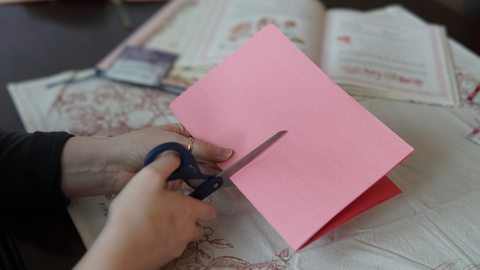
140	65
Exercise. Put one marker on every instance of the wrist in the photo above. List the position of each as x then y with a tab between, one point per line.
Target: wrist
107	252
87	167
116	248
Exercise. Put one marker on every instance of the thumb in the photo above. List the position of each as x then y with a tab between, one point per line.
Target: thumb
163	166
210	152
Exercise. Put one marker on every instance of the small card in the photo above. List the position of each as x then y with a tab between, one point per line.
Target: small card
141	66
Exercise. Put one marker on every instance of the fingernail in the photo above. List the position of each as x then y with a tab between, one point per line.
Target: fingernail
169	152
224	152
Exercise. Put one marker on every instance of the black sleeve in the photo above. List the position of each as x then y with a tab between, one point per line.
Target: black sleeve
30	170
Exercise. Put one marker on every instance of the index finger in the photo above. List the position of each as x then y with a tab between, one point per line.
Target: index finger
201	149
205	212
163	166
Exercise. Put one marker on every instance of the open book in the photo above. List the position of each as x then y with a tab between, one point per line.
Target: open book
363	54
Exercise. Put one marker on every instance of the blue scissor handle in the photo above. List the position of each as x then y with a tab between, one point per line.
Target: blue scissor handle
188	170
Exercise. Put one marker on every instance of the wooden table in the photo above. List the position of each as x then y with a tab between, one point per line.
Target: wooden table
40	39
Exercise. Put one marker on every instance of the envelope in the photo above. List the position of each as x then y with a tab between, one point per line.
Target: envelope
329	167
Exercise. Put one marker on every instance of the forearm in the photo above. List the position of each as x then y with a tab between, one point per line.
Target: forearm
106	253
30	169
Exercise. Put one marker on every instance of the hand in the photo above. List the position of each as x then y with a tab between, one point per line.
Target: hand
103	166
148	225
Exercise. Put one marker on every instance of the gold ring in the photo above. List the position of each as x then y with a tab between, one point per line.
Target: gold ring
190	144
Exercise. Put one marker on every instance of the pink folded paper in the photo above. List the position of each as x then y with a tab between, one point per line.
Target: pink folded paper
331	164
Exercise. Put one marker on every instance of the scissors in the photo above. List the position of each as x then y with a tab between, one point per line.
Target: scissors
190	173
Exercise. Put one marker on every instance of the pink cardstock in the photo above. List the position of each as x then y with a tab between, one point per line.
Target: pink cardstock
325	170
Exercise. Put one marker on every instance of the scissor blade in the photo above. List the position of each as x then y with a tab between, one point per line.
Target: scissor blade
235	167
